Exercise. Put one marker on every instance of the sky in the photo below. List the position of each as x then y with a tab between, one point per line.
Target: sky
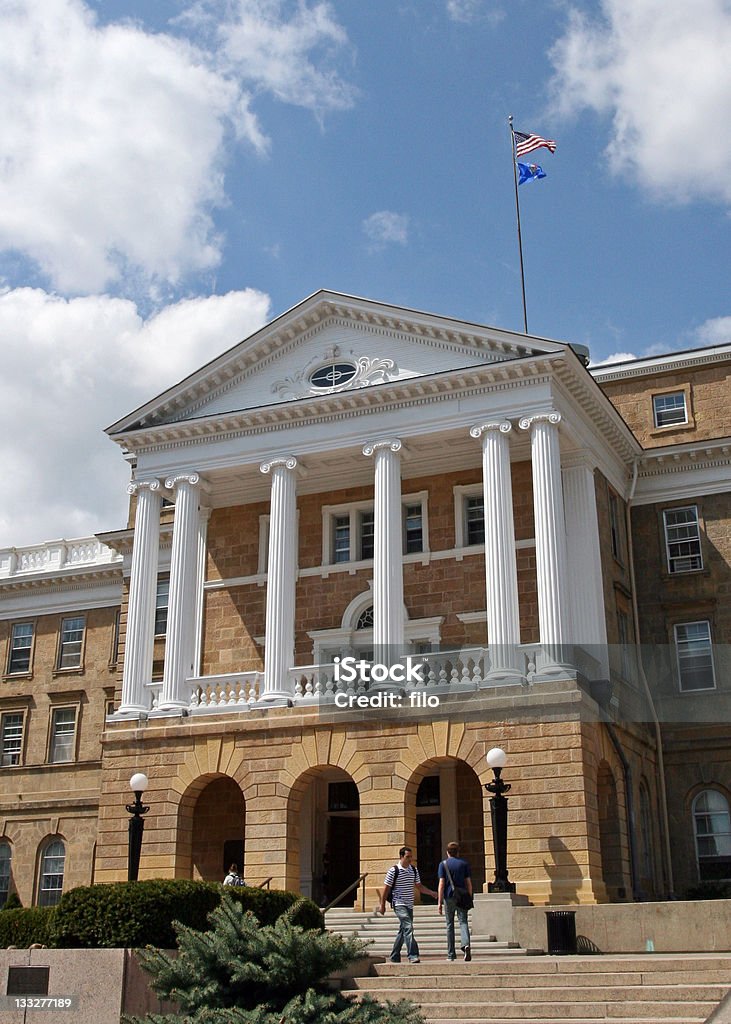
174	174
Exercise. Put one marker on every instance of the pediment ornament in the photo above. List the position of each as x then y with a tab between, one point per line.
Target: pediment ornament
362	371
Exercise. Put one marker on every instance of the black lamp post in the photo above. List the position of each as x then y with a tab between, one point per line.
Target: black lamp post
497	759
138	784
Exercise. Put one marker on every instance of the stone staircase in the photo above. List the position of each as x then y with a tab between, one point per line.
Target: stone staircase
429	928
624	989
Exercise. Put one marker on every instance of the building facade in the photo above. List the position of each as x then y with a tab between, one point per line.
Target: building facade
549	545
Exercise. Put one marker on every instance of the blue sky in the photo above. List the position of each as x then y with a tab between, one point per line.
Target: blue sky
174	174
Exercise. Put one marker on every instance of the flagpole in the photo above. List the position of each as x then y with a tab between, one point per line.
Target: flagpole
517	214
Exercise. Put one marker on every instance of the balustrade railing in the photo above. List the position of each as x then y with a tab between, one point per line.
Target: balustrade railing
234	691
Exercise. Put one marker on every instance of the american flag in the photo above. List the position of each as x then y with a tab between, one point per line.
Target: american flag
525	143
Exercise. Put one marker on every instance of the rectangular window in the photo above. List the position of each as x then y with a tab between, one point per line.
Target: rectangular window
669	409
366	530
413	529
114	653
72	639
614	526
12	738
21	647
341	539
63	733
695	656
161	606
474	510
683	539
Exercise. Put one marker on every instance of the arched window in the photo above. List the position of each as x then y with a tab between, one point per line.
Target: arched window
646	831
52	867
365	619
6	855
712	825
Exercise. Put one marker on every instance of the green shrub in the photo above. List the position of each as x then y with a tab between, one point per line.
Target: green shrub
132	914
12	902
25	925
709	891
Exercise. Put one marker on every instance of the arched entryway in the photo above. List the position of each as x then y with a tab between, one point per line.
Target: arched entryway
444	803
610	839
324	813
211	829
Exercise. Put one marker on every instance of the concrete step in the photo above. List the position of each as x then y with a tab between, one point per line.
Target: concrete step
631	989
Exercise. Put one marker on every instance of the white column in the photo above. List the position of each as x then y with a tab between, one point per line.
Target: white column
501	570
203	516
140	633
584	563
388	580
180	636
281	581
550	526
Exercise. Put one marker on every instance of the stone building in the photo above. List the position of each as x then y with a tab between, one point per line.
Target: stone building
549	544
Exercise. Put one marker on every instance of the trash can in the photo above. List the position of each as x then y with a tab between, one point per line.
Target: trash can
561	932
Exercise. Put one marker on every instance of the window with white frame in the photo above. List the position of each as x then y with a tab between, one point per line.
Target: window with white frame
50	883
6	856
21	647
72	642
63	735
670	409
683	539
11	737
694	652
712	827
349	530
162	597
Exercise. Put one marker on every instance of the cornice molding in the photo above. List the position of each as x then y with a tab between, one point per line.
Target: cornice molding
661	364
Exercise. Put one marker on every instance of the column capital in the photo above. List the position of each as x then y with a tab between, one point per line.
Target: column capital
194	479
503	426
138	485
391	443
287	461
554	418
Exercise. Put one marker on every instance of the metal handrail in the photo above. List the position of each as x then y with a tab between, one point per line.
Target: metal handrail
265	883
353	885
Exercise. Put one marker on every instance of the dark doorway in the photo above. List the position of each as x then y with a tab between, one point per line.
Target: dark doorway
343	856
428	850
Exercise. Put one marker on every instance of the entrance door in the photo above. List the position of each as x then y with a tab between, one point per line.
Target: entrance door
343	858
428	849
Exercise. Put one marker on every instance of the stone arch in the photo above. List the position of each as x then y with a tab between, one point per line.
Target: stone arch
211	828
610	834
323	832
444	802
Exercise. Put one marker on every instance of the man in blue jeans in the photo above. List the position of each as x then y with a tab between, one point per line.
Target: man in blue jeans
461	874
403	878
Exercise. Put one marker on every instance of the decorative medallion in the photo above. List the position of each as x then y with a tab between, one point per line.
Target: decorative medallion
330	373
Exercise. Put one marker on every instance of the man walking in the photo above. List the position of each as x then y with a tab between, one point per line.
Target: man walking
400	882
454	873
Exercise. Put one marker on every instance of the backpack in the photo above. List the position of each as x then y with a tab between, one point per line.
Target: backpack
389	898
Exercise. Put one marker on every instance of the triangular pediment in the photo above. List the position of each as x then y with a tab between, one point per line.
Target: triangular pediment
327	344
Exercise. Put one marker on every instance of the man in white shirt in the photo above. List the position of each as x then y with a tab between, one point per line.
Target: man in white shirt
401	880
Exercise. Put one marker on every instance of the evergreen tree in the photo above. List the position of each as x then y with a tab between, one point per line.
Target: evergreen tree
239	972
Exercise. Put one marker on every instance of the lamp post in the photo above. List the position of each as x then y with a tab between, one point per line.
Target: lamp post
138	784
497	759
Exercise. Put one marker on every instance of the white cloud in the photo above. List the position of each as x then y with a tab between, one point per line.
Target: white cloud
111	148
114	139
472	10
616	357
716	331
385	226
660	69
70	368
288	50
